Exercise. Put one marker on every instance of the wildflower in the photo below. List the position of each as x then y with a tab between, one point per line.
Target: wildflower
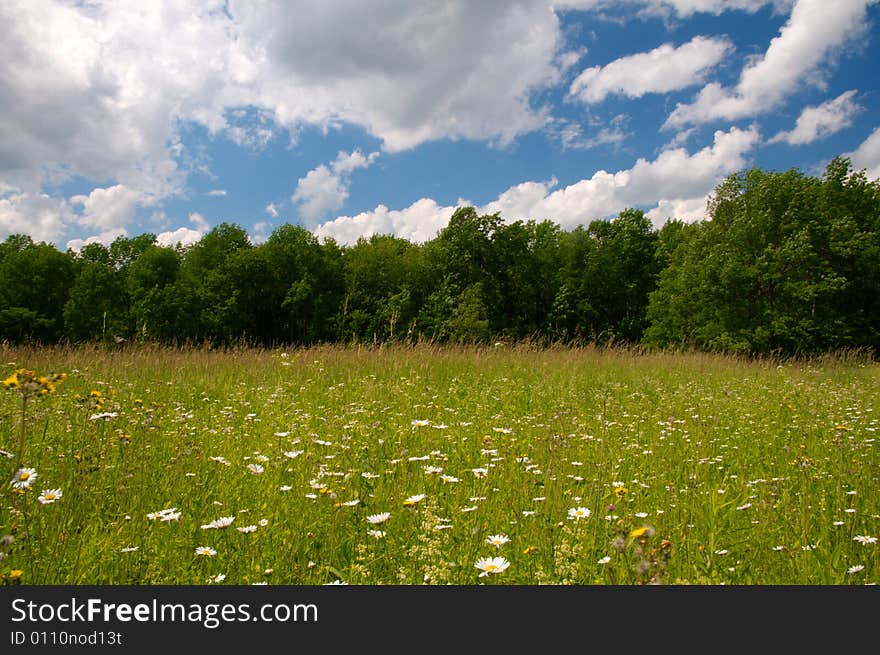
497	540
620	491
864	539
375	519
746	506
129	549
263	523
206	551
431	469
448	478
97	417
255	469
335	582
377	534
578	513
472	508
220	577
49	496
530	549
412	500
350	503
222	522
169	514
293	454
24	478
247	528
644	531
285	487
605	560
855	569
491	565
420	423
480	472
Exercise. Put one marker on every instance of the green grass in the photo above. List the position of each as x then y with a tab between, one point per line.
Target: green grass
742	472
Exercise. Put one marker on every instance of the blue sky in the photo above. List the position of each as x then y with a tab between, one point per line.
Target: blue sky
355	117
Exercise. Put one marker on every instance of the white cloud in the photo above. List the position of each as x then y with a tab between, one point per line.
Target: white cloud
804	42
185	236
867	155
38	215
663	69
324	190
822	121
408	72
571	134
688	210
105	238
680	8
97	89
272	210
217	192
673	182
261	232
109	209
417	223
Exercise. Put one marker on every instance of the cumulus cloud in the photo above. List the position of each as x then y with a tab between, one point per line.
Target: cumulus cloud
663	69
109	209
185	236
271	209
97	89
811	34
678	8
217	192
324	189
675	181
867	155
105	238
38	215
417	223
407	72
261	232
819	122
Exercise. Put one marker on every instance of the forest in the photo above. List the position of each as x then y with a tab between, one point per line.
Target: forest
784	264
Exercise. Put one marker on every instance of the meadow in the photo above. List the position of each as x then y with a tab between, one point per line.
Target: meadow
501	464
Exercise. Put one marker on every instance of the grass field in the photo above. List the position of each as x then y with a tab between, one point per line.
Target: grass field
410	466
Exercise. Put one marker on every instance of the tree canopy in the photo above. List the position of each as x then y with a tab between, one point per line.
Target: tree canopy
782	263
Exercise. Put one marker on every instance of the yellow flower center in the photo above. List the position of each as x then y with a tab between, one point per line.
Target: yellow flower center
491	568
24	475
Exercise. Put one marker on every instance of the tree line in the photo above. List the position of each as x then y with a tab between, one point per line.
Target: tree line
785	263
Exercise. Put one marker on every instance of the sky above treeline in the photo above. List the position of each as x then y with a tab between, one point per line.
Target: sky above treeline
360	117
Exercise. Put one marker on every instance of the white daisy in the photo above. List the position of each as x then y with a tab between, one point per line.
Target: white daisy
24	478
222	522
49	496
578	513
491	565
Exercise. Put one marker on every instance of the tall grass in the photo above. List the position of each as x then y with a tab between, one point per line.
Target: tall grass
695	468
